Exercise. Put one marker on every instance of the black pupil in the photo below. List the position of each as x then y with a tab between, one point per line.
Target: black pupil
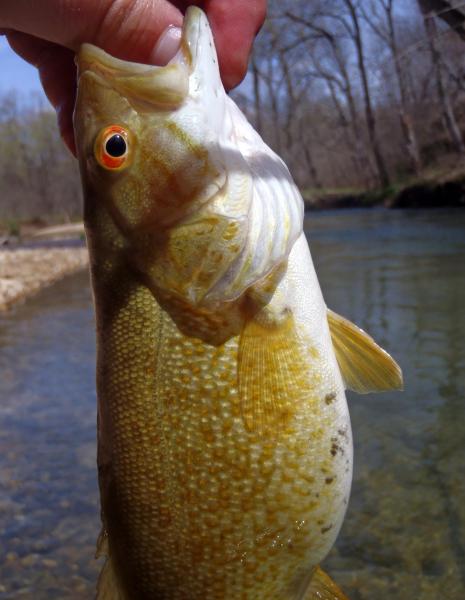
116	145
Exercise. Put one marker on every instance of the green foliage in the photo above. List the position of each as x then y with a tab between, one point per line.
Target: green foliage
381	195
13	227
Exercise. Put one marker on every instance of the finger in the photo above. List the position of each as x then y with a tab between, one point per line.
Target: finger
127	29
167	46
235	25
57	74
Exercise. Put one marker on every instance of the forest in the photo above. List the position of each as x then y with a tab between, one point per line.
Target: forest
356	95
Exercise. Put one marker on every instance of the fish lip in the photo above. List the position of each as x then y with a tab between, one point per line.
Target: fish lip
149	86
92	58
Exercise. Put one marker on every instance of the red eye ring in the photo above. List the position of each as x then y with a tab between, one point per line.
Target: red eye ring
112	147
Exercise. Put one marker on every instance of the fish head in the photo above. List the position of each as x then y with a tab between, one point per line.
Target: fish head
179	185
144	133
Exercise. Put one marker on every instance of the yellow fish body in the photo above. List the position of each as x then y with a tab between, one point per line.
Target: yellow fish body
224	440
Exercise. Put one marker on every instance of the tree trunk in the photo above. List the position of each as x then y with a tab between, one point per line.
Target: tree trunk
257	95
452	15
354	143
406	123
443	94
369	114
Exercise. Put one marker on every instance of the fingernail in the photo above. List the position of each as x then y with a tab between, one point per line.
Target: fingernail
167	46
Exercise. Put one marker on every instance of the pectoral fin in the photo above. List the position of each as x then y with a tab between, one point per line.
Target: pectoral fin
365	366
271	373
322	587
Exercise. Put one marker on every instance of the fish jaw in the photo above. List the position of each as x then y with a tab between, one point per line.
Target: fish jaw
193	70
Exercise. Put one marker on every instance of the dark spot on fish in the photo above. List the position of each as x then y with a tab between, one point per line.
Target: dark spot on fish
343	433
329	398
325	529
335	447
329	480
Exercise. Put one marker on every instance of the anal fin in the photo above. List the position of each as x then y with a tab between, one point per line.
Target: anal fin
322	587
102	544
365	366
108	587
271	372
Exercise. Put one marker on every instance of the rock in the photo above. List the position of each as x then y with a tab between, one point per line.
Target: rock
23	271
49	563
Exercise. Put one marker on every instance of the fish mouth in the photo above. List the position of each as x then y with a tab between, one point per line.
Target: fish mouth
164	86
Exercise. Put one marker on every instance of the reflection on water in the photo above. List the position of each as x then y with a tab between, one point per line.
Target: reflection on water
399	275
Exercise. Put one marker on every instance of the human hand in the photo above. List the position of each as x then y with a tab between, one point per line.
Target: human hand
48	33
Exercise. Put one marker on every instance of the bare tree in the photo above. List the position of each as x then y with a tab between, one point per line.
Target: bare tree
38	175
355	32
384	28
442	90
328	61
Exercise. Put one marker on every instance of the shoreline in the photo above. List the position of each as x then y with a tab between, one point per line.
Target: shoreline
24	271
445	191
26	268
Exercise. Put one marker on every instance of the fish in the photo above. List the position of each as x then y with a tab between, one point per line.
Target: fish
224	438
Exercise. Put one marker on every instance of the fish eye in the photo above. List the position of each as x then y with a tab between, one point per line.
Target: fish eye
116	146
112	148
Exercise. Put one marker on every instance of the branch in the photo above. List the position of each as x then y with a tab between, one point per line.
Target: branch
444	9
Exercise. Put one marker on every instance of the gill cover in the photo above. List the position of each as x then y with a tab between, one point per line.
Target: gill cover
205	208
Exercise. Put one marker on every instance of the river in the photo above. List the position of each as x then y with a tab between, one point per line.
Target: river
401	276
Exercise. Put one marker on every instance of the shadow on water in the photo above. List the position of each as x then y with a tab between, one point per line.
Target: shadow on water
399	275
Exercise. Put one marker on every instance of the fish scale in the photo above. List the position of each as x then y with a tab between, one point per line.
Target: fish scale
209	494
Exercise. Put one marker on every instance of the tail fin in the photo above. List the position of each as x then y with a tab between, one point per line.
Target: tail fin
322	587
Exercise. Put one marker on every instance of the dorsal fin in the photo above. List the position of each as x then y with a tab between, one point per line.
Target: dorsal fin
365	366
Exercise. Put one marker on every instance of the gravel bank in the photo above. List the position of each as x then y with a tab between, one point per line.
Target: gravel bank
24	271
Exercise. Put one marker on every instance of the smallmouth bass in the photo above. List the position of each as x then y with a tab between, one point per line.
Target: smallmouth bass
224	439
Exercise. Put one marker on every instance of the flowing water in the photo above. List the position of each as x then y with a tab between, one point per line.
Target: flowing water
399	275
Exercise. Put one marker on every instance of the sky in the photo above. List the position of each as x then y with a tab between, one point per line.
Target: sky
15	73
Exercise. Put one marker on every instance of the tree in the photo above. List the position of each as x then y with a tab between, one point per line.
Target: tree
442	90
385	30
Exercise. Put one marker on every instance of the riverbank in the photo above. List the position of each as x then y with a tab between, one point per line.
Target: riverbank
444	189
24	271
